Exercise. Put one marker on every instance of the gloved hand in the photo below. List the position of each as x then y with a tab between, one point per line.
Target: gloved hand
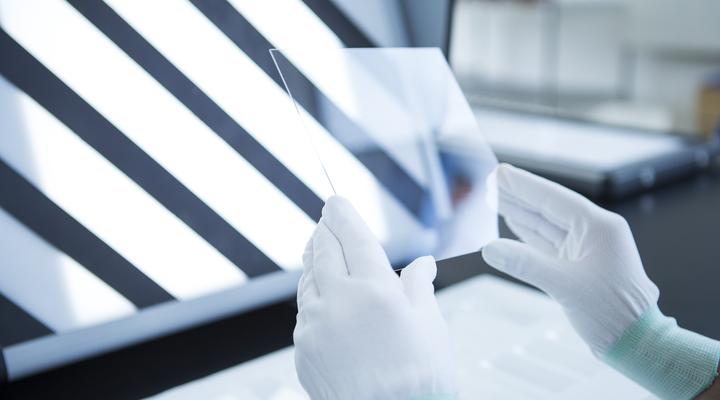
585	258
361	332
580	254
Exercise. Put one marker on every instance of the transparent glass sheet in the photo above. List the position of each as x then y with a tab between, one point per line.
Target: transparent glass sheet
395	135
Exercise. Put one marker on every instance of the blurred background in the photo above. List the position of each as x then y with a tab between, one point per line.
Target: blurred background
645	63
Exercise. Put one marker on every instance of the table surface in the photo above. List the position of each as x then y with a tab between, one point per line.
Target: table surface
677	231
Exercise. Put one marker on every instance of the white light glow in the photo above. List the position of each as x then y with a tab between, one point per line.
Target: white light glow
204	54
99	196
229	77
159	123
51	286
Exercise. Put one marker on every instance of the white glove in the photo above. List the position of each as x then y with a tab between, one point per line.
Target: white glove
585	257
580	254
361	332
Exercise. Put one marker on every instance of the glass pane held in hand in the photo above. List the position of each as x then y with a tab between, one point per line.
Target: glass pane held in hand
395	135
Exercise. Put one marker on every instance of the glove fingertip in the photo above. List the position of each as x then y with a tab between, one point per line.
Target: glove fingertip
337	207
495	254
423	268
503	173
525	263
508	256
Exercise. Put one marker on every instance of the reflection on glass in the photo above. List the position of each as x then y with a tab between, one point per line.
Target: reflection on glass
395	135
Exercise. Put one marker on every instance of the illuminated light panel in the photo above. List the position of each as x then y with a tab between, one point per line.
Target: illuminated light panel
99	196
204	54
228	77
161	125
51	286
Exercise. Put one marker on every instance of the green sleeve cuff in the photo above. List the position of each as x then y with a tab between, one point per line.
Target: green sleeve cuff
671	362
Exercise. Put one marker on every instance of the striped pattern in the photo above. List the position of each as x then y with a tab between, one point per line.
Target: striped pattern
147	154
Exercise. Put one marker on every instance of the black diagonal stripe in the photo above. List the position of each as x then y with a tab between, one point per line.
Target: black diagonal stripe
17	325
132	43
3	369
339	23
32	208
388	172
30	76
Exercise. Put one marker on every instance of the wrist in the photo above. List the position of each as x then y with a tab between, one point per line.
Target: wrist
667	360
